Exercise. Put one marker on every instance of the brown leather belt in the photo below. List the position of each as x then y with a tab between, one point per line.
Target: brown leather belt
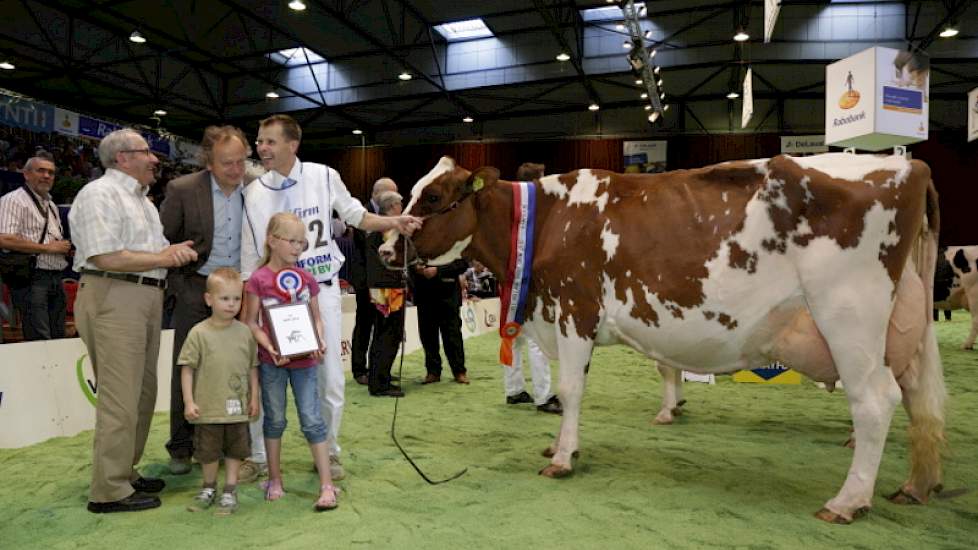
128	277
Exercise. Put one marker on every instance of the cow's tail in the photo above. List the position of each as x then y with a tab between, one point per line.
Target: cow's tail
924	394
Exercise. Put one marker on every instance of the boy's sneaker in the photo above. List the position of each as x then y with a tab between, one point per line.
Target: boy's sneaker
203	500
227	505
251	471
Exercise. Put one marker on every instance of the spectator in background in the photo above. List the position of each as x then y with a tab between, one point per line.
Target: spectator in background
358	278
438	296
479	281
29	223
387	304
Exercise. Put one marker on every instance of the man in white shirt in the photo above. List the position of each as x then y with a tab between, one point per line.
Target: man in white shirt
123	257
29	222
311	191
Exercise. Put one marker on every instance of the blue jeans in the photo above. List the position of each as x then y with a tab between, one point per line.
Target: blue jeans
273	383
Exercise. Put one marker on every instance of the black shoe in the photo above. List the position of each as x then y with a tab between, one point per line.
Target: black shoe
388	392
521	397
362	379
551	406
395	378
132	503
148	485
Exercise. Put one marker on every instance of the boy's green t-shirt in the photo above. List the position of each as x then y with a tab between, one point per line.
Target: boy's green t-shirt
222	359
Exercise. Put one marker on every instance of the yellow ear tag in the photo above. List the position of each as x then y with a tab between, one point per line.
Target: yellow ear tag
477	184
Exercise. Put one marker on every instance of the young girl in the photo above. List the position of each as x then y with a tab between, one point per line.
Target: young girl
278	280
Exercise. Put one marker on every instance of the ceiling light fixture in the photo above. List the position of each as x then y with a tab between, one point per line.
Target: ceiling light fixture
949	31
659	83
562	56
662	95
654	116
159	112
467	119
741	36
652	53
271	95
137	37
656	69
357	132
648	107
644	95
733	95
665	107
648	35
619	27
7	66
593	107
405	76
627	44
297	5
639	82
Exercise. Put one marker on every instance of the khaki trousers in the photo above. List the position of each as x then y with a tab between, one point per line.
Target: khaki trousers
120	323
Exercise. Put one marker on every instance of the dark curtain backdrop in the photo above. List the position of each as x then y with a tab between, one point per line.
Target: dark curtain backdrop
953	162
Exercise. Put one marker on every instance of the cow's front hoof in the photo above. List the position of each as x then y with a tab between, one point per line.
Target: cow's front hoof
968	347
664	418
829	516
556	471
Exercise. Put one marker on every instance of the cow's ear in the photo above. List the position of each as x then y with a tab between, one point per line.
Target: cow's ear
480	179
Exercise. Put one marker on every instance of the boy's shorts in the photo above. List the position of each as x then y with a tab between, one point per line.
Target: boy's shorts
214	441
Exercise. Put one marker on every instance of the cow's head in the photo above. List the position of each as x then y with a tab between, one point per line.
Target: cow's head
446	198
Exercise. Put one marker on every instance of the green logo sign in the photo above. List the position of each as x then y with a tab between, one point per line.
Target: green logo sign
87	386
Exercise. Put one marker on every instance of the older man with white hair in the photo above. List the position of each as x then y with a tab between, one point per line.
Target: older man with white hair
123	257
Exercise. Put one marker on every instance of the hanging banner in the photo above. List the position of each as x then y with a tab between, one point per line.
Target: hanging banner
748	99
24	113
973	115
98	129
648	157
794	145
65	122
771	10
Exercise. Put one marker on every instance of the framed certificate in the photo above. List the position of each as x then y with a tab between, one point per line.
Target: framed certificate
293	330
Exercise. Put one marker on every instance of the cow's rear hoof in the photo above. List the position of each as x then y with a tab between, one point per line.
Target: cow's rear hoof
829	516
556	471
549	452
664	418
907	495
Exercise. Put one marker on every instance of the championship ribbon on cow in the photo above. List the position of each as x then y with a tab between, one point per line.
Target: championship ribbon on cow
517	280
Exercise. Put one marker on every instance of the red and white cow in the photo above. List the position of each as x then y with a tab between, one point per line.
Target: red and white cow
961	291
712	270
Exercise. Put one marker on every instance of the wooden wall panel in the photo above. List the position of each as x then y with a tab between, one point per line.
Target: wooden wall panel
954	164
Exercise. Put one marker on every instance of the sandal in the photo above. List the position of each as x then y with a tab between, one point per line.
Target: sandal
273	491
327	498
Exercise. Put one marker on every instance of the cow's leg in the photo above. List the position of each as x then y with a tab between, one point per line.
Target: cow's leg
856	338
972	294
672	394
574	354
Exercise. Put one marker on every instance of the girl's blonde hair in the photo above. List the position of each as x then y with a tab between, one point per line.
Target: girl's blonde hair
275	226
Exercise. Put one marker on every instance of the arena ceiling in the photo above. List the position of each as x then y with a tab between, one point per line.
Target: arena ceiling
215	60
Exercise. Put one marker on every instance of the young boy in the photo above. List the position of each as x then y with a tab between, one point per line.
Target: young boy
220	389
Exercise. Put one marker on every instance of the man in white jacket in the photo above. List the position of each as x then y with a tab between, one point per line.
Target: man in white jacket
311	191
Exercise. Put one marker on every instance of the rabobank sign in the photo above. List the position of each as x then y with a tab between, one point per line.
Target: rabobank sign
855	117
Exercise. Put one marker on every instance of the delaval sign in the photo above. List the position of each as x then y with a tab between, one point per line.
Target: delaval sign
795	145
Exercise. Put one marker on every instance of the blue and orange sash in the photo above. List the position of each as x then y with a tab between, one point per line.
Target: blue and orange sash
516	284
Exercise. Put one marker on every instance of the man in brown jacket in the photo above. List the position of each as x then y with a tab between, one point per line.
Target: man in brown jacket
204	207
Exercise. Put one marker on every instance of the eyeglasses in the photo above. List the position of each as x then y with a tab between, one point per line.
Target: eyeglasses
303	244
145	151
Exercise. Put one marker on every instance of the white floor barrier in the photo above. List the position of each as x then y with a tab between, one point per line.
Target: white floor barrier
47	389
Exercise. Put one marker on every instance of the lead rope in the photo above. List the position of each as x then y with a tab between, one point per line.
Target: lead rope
397	400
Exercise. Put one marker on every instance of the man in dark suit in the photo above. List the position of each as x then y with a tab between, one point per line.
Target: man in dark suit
204	207
358	274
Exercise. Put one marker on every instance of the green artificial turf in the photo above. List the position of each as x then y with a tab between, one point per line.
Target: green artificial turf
746	467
